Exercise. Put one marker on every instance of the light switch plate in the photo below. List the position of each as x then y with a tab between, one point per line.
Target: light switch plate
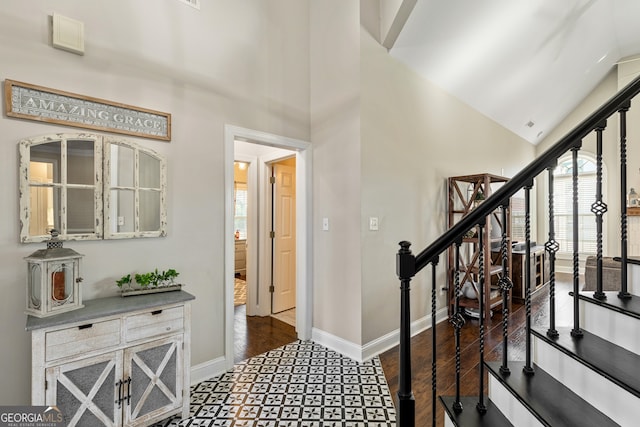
373	223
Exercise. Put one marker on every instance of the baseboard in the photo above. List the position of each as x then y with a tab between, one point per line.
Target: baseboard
375	347
218	366
337	344
208	370
392	339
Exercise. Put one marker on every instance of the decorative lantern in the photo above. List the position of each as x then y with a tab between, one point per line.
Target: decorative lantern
53	279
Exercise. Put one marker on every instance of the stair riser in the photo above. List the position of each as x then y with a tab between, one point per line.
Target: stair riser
633	278
511	408
609	398
611	325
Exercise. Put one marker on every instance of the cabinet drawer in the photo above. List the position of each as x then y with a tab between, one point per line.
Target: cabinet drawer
82	339
154	323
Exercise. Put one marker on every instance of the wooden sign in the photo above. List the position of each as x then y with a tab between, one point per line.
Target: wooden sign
27	101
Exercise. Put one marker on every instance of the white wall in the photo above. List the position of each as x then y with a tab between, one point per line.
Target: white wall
235	61
414	136
384	140
335	134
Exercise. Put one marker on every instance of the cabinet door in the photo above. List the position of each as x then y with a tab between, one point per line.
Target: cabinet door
156	387
85	391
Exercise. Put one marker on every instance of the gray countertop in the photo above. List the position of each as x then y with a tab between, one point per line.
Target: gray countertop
101	307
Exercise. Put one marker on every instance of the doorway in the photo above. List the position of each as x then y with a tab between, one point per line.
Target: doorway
268	150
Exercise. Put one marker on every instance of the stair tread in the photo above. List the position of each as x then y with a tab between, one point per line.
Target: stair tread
548	399
470	417
629	306
616	363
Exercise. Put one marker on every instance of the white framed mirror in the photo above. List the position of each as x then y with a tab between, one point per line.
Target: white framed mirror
135	191
61	187
90	187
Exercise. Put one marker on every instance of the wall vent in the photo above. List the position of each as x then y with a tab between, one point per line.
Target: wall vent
193	3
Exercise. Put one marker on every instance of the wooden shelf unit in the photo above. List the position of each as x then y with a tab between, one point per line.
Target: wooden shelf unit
539	271
462	198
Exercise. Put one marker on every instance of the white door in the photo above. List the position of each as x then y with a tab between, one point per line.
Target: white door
284	241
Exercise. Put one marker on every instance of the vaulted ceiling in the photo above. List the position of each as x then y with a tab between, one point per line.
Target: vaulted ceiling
524	63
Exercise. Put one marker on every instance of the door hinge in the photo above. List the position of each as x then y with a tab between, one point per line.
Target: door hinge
46	385
272	289
272	180
272	234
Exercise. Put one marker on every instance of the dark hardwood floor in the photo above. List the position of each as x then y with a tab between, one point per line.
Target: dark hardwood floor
421	353
255	335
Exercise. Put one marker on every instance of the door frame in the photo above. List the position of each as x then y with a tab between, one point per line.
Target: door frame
304	287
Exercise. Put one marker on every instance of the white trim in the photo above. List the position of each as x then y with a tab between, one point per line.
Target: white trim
303	217
392	339
378	345
337	344
208	370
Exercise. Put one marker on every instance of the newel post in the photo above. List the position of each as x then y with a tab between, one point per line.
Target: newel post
405	269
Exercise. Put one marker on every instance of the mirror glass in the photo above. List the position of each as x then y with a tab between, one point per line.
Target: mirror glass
149	210
80	162
44	208
61	187
44	198
122	165
122	211
149	171
80	210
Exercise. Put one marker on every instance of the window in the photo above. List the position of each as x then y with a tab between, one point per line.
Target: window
240	210
518	218
563	204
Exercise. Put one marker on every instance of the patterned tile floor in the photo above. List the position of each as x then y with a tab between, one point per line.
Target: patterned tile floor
301	384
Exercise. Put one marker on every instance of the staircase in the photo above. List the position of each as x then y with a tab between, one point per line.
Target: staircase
592	380
583	374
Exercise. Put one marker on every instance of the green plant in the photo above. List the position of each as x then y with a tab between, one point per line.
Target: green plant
169	275
144	280
124	280
151	279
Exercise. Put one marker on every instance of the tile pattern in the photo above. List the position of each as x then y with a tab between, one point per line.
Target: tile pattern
239	292
301	384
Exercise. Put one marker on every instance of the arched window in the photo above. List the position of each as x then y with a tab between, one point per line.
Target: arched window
563	204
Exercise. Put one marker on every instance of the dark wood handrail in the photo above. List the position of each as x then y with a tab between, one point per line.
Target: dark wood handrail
620	101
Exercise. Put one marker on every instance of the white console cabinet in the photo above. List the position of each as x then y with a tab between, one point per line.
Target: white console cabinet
115	362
